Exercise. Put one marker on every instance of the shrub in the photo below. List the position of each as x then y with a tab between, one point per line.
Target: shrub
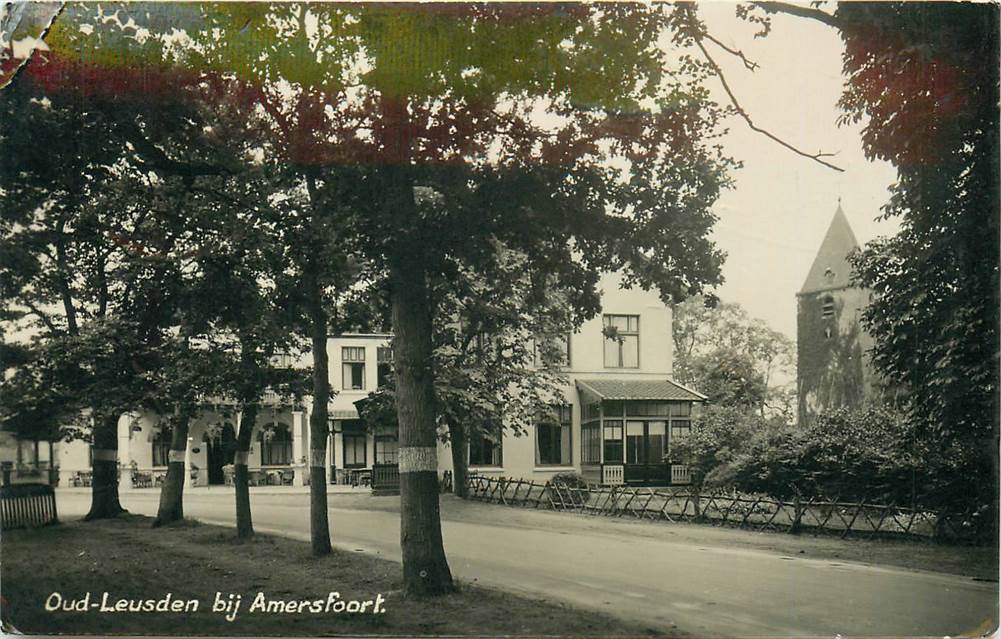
570	488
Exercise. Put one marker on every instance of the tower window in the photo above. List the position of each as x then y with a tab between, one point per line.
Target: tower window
829	274
827	309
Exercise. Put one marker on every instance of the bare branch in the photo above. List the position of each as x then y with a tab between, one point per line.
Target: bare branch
800	11
816	157
749	64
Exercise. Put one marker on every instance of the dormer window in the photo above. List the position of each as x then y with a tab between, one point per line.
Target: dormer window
827	309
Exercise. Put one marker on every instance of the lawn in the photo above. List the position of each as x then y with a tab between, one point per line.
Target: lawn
131	561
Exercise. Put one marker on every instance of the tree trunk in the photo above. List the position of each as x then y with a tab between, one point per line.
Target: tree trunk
104	502
319	526
425	569
241	475
460	467
172	492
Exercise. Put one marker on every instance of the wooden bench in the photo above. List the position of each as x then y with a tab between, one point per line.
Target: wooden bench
27	506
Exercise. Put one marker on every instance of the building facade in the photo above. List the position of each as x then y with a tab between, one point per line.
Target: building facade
833	367
619	414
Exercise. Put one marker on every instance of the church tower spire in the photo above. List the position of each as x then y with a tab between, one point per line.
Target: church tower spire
833	370
830	268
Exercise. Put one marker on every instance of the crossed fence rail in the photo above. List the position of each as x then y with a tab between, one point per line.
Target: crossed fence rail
730	508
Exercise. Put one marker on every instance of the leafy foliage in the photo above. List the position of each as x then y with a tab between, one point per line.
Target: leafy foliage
733	358
874	454
924	79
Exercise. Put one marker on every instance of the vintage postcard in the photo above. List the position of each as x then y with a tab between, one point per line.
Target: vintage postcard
499	319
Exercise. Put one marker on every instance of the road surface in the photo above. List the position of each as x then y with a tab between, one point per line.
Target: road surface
706	591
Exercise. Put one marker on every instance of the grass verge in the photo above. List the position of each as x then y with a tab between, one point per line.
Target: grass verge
129	560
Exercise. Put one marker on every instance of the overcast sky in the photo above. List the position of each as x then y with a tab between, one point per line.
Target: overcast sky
772	222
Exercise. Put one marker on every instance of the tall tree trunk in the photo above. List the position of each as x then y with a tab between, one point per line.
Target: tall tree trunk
460	466
172	493
319	526
104	502
425	569
241	474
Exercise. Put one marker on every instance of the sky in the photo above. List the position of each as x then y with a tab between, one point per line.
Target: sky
772	222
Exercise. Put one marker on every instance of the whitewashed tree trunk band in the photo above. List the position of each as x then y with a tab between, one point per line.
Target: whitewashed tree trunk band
105	454
240	457
416	459
318	458
175	456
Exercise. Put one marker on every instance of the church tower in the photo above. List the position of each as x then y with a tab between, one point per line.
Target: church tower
833	369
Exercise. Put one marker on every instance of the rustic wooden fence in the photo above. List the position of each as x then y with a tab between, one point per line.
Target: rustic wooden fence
844	518
27	505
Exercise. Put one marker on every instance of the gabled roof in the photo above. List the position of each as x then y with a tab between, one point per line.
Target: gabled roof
830	268
640	389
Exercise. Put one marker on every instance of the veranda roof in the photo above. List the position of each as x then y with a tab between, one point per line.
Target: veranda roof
640	389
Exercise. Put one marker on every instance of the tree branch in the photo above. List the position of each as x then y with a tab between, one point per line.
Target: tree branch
749	64
800	11
155	157
697	35
37	312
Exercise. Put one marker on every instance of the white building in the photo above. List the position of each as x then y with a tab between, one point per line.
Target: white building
620	414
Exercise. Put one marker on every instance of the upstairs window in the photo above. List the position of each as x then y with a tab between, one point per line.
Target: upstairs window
353	367
560	346
621	336
384	365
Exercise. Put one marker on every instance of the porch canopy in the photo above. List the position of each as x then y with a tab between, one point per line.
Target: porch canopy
639	389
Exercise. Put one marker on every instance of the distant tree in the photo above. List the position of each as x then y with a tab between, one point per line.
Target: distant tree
733	358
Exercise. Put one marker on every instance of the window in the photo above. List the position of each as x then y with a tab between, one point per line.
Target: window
613	441
591	436
680	428
283	360
161	446
276	445
681	409
648	409
353	367
553	437
560	346
386	447
355	444
484	451
622	341
384	365
827	309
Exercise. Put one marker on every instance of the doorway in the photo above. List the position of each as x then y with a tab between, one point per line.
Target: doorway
646	443
220	451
